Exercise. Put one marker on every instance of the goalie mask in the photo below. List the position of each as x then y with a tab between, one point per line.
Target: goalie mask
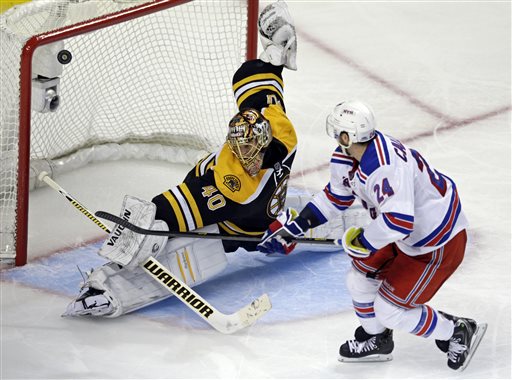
249	135
354	118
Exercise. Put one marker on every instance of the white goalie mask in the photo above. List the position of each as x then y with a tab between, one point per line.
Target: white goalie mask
353	117
248	136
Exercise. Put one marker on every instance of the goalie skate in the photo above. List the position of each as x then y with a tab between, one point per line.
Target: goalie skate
90	302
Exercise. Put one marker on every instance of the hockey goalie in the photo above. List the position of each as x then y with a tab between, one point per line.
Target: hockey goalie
238	190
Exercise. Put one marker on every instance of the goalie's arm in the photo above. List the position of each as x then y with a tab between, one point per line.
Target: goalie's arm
257	84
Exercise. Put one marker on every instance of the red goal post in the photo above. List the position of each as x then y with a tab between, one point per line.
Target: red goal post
140	74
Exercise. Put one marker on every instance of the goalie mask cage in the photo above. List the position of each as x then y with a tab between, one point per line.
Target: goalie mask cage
93	80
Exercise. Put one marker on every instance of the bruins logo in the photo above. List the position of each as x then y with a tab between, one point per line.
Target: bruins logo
232	182
276	203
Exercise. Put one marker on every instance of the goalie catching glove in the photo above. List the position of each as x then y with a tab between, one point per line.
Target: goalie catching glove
278	238
352	245
277	35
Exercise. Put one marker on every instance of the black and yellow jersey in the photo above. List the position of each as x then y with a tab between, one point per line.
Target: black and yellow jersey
218	190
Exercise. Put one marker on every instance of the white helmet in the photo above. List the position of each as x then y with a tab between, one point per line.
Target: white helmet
353	117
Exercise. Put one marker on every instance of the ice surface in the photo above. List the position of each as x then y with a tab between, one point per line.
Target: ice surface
438	76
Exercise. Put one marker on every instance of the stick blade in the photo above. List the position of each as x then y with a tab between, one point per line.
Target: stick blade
244	317
255	310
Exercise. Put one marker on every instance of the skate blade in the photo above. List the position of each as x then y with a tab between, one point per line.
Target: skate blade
367	359
481	328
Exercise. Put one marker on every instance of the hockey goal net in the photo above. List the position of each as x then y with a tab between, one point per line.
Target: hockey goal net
92	80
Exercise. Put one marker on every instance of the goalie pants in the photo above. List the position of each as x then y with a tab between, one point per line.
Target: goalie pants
191	260
390	289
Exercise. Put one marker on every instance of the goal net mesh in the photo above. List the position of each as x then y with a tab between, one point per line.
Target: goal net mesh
155	87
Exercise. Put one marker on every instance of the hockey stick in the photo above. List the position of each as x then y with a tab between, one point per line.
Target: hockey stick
200	235
224	323
44	177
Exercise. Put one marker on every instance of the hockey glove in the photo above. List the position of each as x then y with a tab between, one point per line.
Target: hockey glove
351	244
277	35
278	237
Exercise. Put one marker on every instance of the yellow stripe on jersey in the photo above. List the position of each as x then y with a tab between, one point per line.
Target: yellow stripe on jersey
207	162
198	220
177	211
198	166
210	164
233	229
256	77
255	90
226	229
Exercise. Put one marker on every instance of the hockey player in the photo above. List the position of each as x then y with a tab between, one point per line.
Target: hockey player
415	241
238	190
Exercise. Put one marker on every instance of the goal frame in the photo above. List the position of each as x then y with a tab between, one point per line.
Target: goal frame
74	30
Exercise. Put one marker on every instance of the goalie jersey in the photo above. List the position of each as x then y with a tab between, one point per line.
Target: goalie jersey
218	190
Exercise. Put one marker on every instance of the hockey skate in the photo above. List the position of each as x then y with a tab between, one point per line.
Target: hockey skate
367	347
90	302
461	347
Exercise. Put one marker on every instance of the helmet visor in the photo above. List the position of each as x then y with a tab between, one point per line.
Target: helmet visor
249	153
248	136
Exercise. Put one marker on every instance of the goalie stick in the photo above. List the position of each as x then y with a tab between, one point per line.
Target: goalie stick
200	235
224	323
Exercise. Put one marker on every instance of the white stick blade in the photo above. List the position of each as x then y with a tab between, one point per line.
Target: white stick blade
246	316
255	310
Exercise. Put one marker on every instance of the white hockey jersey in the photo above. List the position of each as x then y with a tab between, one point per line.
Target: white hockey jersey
410	202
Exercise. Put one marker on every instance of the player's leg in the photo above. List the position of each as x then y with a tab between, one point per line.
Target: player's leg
125	250
373	341
410	283
113	290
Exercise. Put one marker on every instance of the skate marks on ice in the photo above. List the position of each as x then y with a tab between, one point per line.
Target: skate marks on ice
303	285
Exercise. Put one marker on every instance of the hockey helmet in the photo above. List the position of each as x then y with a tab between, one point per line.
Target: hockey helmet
353	117
249	134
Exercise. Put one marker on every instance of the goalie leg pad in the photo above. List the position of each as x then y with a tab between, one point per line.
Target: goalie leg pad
191	260
195	260
126	290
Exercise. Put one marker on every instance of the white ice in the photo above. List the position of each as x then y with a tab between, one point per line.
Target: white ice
438	75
